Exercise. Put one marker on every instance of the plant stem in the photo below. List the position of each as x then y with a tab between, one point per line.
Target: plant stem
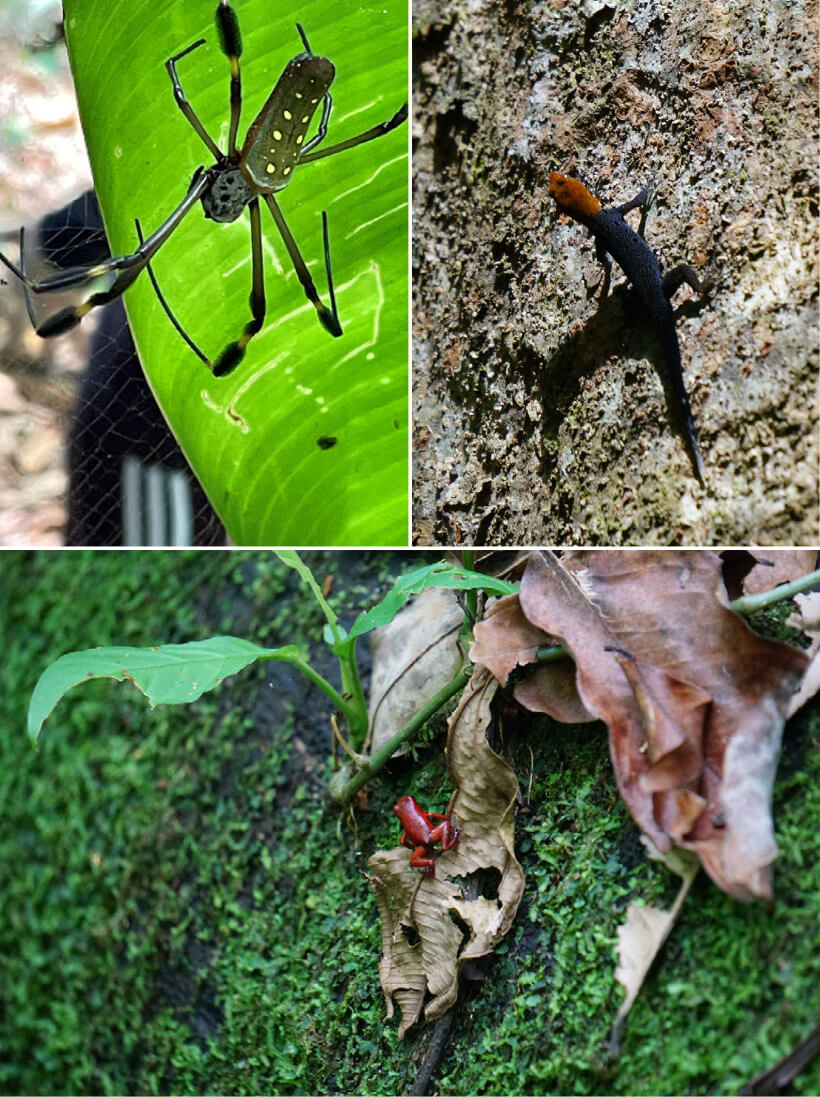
347	708
551	654
383	755
352	685
749	603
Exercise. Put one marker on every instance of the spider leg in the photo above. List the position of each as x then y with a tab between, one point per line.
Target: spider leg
230	39
161	297
326	105
328	318
321	133
26	290
129	267
233	354
375	131
182	101
328	270
304	38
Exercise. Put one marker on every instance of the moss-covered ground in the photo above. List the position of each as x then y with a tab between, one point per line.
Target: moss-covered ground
184	912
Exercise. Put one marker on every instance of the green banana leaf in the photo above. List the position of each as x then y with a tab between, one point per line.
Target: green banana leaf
261	438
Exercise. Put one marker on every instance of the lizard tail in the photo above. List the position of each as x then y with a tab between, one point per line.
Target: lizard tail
671	350
694	449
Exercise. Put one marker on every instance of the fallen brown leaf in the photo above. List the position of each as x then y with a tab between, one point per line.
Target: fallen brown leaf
401	971
505	639
453	921
552	688
775	566
642	936
693	699
414	657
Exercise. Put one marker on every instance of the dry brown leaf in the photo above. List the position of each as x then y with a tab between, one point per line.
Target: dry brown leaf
776	566
505	639
552	689
807	619
672	714
677	676
401	971
642	936
452	925
414	657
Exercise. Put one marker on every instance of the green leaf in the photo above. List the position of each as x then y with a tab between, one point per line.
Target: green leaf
434	575
253	437
294	560
171	674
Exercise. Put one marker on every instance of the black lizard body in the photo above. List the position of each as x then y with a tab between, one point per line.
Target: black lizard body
615	238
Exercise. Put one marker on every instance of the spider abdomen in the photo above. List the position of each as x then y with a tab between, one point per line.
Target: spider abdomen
228	195
277	134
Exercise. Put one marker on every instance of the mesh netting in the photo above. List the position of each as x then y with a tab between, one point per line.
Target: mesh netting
85	455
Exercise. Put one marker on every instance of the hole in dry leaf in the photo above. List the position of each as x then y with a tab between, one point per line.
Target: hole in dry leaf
483	883
519	673
463	928
411	935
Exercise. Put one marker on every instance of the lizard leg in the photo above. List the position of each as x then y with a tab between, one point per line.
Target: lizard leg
677	276
642	198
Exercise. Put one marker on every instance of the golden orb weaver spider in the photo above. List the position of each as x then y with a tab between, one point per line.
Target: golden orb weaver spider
274	146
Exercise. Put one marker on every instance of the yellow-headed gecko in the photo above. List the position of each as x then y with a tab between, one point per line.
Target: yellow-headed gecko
614	237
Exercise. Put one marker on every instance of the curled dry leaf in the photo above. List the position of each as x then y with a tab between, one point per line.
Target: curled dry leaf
453	922
807	619
505	639
642	936
552	689
401	972
414	657
693	699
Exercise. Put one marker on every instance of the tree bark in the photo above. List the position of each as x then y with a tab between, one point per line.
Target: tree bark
543	413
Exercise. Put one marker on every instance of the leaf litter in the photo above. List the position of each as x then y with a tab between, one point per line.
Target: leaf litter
695	708
695	704
447	917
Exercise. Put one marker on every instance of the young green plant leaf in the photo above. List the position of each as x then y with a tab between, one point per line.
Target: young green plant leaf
414	582
171	674
294	560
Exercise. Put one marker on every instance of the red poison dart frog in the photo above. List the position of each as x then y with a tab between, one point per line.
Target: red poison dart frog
419	831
